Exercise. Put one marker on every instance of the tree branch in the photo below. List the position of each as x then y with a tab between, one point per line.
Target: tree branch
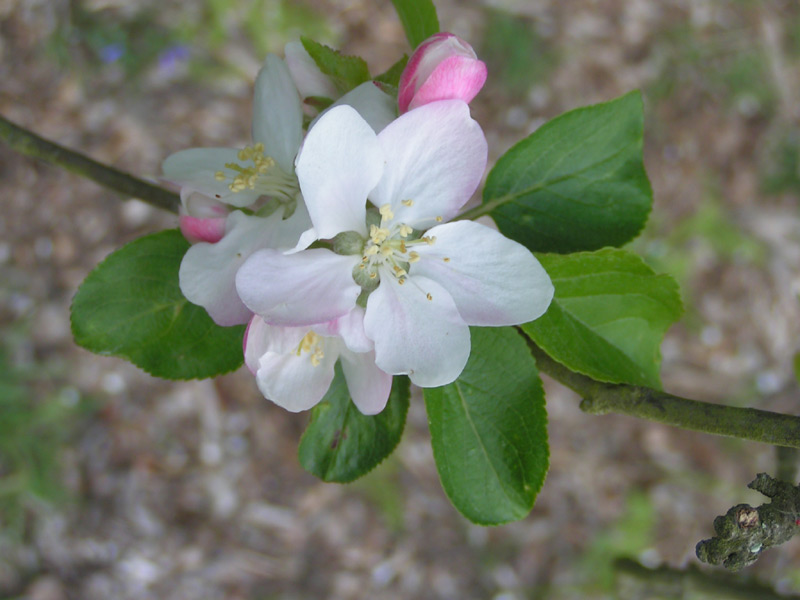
654	405
744	532
30	144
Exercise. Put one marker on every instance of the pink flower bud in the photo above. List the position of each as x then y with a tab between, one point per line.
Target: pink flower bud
443	67
201	219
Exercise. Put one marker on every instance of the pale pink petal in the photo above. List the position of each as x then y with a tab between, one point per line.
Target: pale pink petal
199	205
339	164
196	169
424	338
493	280
435	157
277	113
350	328
292	381
299	289
455	78
208	271
310	81
369	387
374	105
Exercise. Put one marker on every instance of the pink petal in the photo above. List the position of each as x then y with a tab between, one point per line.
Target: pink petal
424	338
196	229
455	78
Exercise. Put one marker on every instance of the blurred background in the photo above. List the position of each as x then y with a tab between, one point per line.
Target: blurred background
115	485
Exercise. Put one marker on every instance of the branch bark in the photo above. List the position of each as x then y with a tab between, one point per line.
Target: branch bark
25	142
654	405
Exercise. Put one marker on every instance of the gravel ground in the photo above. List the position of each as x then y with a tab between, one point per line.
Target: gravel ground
193	490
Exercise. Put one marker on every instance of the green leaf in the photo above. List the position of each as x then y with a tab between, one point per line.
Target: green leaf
391	77
346	72
130	306
576	183
489	430
340	444
418	18
608	316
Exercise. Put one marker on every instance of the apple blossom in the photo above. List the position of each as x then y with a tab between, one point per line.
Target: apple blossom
443	67
294	366
422	281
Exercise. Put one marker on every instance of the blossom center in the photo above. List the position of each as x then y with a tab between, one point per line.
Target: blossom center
314	345
388	248
258	172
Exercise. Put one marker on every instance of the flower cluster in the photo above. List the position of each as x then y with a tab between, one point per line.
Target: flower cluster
342	246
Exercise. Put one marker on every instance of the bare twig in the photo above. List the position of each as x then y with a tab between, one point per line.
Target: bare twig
30	144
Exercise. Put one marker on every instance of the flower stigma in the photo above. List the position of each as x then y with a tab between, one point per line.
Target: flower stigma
314	345
262	175
387	250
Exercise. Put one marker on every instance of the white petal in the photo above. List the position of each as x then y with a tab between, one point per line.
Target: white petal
493	280
435	156
339	164
369	387
426	339
277	113
292	381
310	81
309	287
208	271
195	169
375	106
260	338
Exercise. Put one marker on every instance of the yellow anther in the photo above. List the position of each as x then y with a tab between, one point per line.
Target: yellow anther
429	297
219	176
402	247
430	240
399	271
259	147
373	275
386	212
371	251
438	219
408	202
405	230
446	259
378	234
243	154
401	281
413	257
312	343
363	265
387	250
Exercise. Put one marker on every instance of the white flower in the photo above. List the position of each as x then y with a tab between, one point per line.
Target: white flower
294	366
422	282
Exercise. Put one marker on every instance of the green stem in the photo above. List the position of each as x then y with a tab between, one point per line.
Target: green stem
30	144
654	405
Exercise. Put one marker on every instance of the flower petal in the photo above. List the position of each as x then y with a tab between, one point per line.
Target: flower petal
456	77
425	339
299	289
350	328
260	338
369	387
292	381
493	280
196	168
339	164
277	113
375	106
435	157
310	81
208	271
